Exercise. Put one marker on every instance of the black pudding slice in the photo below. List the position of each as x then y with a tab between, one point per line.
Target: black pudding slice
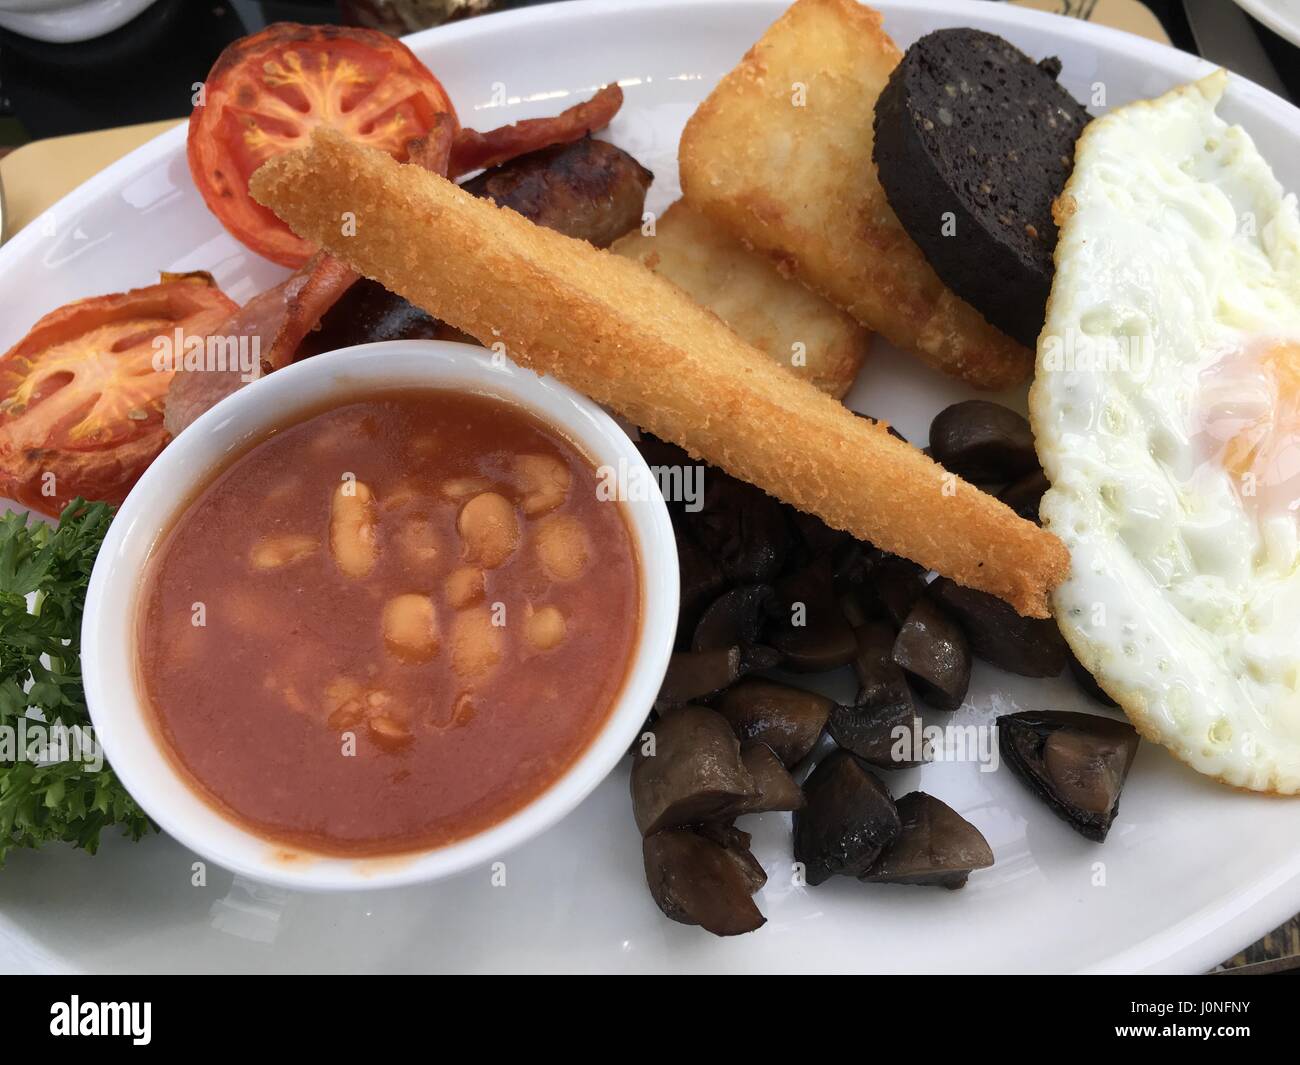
969	124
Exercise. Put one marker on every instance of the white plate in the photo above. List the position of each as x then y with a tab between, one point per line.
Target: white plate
66	21
1280	16
1191	872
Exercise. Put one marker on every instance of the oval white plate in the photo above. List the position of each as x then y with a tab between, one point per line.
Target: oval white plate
1280	16
1191	872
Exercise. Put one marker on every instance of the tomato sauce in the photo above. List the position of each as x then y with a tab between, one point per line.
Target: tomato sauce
388	626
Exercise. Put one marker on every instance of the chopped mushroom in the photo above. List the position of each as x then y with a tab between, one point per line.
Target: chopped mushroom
673	467
816	537
1076	763
854	607
694	675
810	629
1025	495
697	881
884	704
848	820
1088	683
776	787
983	442
736	843
1031	647
893	585
931	649
726	834
935	846
701	583
789	720
742	527
735	617
694	773
873	734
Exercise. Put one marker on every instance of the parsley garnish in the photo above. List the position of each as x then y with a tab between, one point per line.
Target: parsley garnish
40	669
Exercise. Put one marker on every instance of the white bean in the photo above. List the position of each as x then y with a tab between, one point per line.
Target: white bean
544	627
544	481
387	732
352	529
562	546
475	643
411	627
344	703
489	530
276	551
458	488
465	586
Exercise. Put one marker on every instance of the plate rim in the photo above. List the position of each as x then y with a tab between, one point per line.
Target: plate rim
987	14
1267	15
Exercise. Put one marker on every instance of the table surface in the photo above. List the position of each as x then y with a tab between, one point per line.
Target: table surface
56	132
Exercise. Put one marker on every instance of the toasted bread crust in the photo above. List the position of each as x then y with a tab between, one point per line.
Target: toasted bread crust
614	330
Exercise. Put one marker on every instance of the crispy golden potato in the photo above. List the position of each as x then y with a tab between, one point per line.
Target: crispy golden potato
609	327
780	155
796	327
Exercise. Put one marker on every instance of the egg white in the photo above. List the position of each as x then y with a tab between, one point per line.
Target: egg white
1178	250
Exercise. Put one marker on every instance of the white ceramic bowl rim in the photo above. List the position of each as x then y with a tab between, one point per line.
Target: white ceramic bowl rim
108	644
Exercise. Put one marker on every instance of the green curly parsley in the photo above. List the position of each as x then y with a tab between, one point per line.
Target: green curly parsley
40	669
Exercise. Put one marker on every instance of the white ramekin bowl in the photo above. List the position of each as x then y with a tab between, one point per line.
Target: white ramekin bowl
117	708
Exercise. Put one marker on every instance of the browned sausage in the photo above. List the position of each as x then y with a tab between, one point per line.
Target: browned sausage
588	189
368	312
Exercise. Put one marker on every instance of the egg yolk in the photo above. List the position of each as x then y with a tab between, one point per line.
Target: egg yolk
1250	411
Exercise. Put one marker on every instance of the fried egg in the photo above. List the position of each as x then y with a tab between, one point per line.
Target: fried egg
1166	412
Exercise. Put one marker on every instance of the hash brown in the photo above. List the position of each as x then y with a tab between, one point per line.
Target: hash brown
780	155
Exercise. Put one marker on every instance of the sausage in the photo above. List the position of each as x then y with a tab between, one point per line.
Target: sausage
368	312
588	189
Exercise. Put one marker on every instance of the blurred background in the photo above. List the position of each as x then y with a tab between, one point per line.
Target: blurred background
142	70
